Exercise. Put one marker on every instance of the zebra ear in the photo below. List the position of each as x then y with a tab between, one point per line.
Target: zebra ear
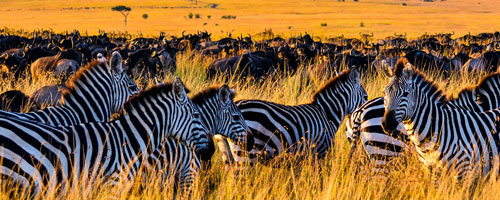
179	90
225	94
115	63
408	70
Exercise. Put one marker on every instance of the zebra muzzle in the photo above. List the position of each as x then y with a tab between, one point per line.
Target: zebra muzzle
389	122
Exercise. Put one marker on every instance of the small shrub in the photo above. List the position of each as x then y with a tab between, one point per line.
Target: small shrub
234	17
190	15
197	16
362	25
404	4
209	16
324	24
145	16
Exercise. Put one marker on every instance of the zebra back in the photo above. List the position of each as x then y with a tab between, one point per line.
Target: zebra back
94	93
481	97
281	128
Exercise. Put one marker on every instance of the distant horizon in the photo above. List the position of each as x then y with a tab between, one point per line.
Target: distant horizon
319	18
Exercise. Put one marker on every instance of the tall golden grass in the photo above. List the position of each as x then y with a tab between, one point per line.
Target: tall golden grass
331	178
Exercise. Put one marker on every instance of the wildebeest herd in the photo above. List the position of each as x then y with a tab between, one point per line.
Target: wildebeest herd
162	129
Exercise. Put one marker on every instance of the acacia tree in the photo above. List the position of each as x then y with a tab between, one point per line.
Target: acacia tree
124	10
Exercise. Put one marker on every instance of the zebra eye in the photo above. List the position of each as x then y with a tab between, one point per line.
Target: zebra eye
196	115
405	93
236	117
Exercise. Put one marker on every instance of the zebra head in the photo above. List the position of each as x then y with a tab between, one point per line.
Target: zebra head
185	120
400	97
123	86
231	123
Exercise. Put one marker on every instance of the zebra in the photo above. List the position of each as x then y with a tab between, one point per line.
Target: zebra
445	136
41	156
278	129
219	115
365	123
481	97
94	93
175	160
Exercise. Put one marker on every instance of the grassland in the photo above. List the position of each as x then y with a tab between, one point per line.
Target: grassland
286	17
332	178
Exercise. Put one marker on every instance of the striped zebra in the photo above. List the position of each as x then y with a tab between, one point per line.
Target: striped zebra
219	115
41	156
279	129
446	136
365	123
177	161
94	93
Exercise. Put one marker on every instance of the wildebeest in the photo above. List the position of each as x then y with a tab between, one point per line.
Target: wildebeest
253	64
48	95
62	64
14	101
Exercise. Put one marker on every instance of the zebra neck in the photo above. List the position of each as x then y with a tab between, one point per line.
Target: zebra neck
88	109
208	113
331	103
426	125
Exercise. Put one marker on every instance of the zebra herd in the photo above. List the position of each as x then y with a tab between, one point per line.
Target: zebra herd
163	129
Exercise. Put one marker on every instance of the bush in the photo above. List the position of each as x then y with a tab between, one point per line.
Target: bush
323	24
190	15
209	16
404	4
197	16
362	25
145	16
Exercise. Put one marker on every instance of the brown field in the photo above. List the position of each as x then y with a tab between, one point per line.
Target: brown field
286	17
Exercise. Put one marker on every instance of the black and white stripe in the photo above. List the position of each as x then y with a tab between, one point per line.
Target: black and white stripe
365	123
219	115
446	136
279	129
177	161
40	155
94	94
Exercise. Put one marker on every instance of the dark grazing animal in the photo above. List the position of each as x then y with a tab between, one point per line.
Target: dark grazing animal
14	101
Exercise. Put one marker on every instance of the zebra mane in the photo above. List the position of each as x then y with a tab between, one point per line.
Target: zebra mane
400	65
146	94
432	88
483	83
342	77
208	93
464	92
80	74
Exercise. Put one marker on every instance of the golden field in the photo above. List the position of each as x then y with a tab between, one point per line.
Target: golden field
285	17
331	178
